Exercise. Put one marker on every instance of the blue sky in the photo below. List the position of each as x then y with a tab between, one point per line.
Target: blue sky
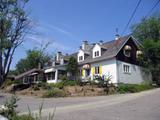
66	23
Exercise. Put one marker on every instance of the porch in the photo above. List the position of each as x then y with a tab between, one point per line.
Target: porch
52	75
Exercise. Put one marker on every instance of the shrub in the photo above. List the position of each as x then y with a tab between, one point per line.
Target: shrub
63	77
35	87
61	84
56	92
44	85
24	117
7	82
70	83
8	110
132	88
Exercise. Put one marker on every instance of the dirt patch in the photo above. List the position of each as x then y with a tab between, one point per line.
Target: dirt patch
31	92
83	91
71	91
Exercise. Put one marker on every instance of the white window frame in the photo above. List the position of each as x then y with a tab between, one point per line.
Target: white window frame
126	68
80	58
97	53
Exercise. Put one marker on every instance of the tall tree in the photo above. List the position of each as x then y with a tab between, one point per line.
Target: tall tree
147	29
72	67
35	57
14	23
148	32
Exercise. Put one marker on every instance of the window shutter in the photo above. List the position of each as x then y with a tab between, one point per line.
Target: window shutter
100	70
83	72
93	70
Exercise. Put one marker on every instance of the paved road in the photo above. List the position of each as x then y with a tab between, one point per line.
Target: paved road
138	106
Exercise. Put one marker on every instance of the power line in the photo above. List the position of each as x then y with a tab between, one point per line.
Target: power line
149	12
131	16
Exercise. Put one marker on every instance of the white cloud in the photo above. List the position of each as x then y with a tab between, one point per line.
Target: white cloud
50	27
53	44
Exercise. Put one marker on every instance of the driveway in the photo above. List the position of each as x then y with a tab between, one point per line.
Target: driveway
137	106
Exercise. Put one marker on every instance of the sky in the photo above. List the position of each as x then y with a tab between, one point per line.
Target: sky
66	23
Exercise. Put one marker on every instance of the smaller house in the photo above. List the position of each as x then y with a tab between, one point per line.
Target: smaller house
54	72
31	76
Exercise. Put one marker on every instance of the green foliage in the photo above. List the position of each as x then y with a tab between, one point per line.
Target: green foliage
11	114
56	92
14	24
70	83
35	87
24	117
9	111
33	59
63	77
43	85
61	84
132	88
7	82
148	32
72	67
147	29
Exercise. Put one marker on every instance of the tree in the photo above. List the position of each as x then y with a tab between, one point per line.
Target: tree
148	32
72	67
35	57
14	24
147	29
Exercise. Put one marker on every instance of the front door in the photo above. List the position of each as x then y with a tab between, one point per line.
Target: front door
87	72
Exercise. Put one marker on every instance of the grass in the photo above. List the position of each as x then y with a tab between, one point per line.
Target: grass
56	92
133	88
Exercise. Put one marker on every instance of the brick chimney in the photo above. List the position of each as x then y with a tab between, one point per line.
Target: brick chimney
85	45
58	56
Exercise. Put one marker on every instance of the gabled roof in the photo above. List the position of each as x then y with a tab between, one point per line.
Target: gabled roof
111	49
71	55
28	73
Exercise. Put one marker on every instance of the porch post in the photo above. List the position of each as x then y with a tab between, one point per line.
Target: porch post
56	76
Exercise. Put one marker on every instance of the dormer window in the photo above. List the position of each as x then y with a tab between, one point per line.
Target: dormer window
80	58
96	54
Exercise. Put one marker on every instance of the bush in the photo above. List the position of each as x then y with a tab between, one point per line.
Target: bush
43	85
24	117
132	88
35	87
61	84
70	83
7	82
8	110
56	92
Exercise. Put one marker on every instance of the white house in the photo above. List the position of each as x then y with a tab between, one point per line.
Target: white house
116	58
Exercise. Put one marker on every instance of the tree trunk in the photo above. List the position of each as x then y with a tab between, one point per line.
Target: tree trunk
1	69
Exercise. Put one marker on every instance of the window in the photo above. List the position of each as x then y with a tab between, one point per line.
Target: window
96	54
127	51
80	58
97	70
51	76
126	69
